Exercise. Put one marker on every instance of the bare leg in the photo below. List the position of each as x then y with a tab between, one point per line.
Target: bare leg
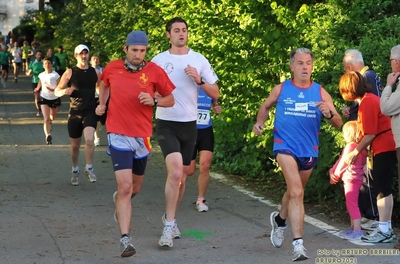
385	208
53	113
175	173
182	185
128	185
88	133
36	100
292	201
74	150
16	71
46	119
204	175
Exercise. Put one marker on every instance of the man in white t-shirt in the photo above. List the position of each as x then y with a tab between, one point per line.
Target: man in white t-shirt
176	126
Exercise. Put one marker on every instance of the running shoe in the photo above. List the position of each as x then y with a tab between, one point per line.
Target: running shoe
299	251
201	206
368	224
97	142
378	236
276	231
166	237
353	235
49	139
90	175
127	249
75	178
175	231
346	231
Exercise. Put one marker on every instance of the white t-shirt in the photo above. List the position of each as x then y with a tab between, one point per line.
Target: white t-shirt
186	91
16	52
49	83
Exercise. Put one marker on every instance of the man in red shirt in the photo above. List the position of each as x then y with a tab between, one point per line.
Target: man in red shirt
137	86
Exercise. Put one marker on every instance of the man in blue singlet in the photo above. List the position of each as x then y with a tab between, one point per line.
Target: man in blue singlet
204	146
300	105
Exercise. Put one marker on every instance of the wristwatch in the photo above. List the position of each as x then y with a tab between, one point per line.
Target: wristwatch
155	102
332	115
202	81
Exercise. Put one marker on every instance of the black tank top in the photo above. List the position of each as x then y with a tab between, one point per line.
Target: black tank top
84	82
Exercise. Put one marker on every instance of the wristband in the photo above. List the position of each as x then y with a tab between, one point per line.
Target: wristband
332	115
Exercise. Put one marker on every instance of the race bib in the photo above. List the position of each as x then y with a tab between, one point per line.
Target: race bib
301	106
203	117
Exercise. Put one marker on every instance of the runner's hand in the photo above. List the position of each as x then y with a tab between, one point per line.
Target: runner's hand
257	128
100	110
146	99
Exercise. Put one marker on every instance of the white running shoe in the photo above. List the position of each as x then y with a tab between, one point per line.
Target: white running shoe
75	178
276	231
166	237
90	175
299	251
201	206
97	142
175	231
378	236
368	224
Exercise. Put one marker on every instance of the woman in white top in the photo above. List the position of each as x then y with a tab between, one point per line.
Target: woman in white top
17	61
49	102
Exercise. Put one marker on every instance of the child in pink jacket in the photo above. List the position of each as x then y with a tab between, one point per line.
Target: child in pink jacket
352	177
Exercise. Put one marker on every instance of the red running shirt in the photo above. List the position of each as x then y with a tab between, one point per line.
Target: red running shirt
125	114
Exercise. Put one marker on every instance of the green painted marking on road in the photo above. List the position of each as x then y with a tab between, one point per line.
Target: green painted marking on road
196	234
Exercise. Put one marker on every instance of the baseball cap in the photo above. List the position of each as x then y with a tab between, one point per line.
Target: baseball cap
137	37
80	48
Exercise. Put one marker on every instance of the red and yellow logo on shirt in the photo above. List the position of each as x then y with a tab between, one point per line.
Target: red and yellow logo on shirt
143	80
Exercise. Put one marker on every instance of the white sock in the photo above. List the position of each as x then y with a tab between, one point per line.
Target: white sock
89	166
390	224
169	223
384	227
75	168
299	241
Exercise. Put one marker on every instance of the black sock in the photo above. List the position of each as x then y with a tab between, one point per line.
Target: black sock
294	239
125	235
280	221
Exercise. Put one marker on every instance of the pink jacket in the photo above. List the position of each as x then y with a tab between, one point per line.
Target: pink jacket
355	171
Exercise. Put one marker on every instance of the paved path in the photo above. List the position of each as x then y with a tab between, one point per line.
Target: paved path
44	219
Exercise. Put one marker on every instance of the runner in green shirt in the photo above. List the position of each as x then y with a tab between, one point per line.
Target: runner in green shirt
5	57
25	55
64	61
35	68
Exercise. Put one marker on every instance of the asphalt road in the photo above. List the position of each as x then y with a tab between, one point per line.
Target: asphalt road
44	219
